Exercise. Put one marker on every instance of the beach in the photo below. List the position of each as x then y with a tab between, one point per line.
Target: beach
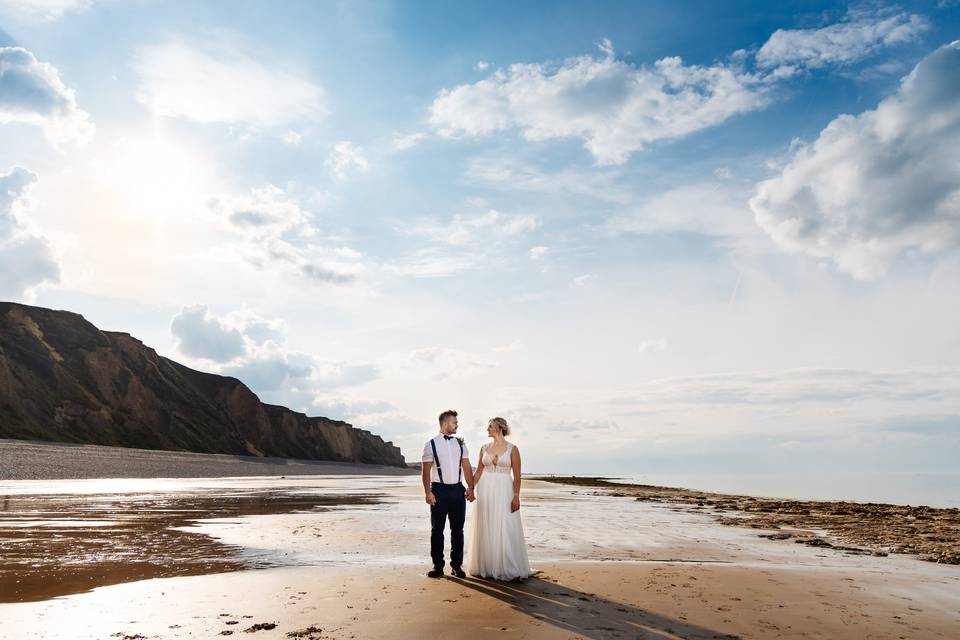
34	459
344	556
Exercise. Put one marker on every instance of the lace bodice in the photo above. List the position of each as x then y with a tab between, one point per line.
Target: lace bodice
497	463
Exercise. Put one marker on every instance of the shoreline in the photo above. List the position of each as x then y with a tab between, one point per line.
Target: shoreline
43	460
864	528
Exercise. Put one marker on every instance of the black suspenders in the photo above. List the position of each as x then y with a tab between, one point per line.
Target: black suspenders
436	461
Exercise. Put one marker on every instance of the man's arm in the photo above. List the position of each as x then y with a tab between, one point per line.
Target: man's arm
427	491
468	476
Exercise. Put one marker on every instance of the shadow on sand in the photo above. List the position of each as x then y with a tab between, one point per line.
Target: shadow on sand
587	614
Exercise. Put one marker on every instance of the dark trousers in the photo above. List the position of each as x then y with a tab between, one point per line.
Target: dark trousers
452	502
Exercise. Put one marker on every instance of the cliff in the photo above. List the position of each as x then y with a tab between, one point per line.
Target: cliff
62	379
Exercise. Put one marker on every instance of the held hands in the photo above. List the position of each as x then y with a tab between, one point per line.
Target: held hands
471	495
515	505
431	499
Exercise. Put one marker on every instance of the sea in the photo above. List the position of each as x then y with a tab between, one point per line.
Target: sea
933	489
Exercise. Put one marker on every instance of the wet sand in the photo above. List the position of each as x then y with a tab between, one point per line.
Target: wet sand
610	567
37	460
930	533
591	600
62	544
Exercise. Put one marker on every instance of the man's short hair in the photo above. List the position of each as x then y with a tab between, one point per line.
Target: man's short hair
449	413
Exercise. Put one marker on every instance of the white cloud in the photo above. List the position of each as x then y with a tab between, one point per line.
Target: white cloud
278	232
440	363
712	209
253	349
45	9
402	141
861	34
293	138
346	158
938	388
580	426
482	66
266	212
618	108
582	280
657	345
502	172
26	259
466	229
875	185
201	335
32	92
615	107
431	262
224	80
511	347
606	47
536	253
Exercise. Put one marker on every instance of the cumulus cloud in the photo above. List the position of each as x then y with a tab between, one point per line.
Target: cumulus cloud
32	92
279	233
618	108
223	80
45	9
615	107
877	184
346	158
264	212
26	259
861	34
201	335
253	349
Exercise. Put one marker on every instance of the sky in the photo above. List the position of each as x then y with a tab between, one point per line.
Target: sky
655	237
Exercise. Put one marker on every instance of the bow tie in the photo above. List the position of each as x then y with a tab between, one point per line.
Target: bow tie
447	437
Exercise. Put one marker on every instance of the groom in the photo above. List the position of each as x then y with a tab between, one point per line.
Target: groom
445	462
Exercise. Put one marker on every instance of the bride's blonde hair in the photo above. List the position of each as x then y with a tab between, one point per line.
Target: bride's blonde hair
501	424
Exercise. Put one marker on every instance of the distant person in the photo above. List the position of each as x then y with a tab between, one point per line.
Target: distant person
446	462
497	546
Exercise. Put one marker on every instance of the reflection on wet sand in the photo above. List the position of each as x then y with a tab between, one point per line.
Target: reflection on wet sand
53	545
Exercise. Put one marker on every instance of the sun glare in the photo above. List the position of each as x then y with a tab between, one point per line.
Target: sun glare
156	176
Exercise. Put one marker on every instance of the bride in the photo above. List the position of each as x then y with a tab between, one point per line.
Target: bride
497	547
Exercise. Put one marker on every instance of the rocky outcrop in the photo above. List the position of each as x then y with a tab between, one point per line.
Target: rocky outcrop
63	379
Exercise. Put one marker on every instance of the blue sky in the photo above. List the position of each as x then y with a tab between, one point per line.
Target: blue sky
654	236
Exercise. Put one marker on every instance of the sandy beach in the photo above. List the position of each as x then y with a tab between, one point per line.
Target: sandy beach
345	556
34	459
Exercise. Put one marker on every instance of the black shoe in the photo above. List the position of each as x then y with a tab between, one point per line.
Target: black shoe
435	572
457	571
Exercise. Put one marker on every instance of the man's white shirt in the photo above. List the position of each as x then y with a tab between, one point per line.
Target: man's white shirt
448	452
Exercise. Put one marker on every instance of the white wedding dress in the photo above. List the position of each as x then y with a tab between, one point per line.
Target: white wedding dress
497	547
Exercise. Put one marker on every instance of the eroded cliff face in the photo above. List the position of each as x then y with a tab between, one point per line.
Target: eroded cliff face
64	380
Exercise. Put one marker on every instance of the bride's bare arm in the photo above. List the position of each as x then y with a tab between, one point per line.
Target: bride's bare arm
515	463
